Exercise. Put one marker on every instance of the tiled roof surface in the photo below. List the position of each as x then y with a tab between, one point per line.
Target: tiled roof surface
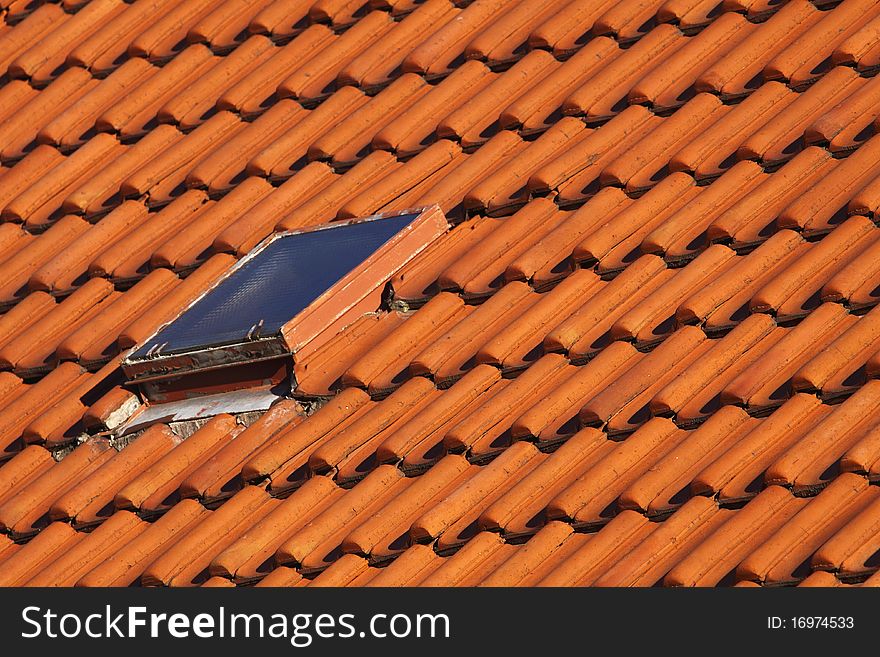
646	353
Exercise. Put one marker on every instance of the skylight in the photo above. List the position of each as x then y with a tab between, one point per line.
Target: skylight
293	287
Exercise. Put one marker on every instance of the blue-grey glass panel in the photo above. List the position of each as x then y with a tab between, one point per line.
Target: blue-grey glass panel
275	285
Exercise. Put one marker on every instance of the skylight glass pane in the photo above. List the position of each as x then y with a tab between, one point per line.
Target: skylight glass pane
275	285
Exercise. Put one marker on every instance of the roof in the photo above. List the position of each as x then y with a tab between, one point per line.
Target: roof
646	353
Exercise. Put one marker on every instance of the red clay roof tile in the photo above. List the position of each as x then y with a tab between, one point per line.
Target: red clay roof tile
41	62
217	476
603	94
735	539
859	49
30	30
280	18
165	37
106	48
669	86
226	26
449	442
186	563
802	61
779	558
250	555
849	552
689	14
741	70
569	28
688	527
56	540
126	565
91	550
591	495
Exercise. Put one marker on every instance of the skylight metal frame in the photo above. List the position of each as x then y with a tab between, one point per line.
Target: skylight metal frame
351	296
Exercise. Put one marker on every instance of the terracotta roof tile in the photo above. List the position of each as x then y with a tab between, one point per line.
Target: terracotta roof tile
604	94
225	167
735	539
615	244
793	292
818	214
226	26
72	127
250	555
590	498
751	219
96	342
695	394
126	564
742	69
521	509
569	28
508	188
620	365
782	138
311	546
668	86
190	107
535	109
859	48
689	14
381	62
106	48
854	285
316	77
31	352
35	25
19	266
643	164
247	230
159	178
62	273
781	556
810	462
253	94
41	62
418	443
441	52
411	131
849	552
289	444
801	62
380	368
166	36
185	249
18	130
587	330
403	180
520	568
27	510
111	410
665	546
587	554
348	453
49	545
91	550
187	562
718	147
504	39
216	476
126	259
280	18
